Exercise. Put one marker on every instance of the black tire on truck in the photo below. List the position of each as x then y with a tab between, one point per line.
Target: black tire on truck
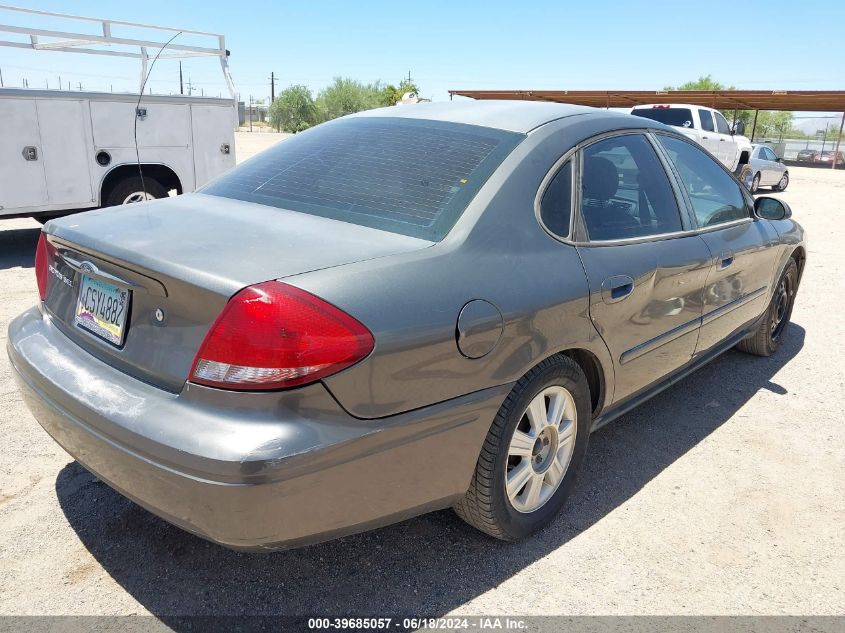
131	189
743	173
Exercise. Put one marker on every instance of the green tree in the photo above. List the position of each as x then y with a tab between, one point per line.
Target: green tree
293	110
705	82
391	95
345	96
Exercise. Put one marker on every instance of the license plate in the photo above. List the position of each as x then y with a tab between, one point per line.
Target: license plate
102	309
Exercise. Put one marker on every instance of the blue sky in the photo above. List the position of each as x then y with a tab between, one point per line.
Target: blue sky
594	44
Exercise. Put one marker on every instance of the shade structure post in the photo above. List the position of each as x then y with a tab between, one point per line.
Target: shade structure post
838	139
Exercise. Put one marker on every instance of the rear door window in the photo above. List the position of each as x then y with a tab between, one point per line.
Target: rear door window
706	120
556	205
625	192
408	176
716	197
679	117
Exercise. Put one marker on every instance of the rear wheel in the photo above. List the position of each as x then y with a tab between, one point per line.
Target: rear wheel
131	190
783	183
755	183
532	453
768	336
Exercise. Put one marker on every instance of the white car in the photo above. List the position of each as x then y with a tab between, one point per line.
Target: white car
768	170
708	128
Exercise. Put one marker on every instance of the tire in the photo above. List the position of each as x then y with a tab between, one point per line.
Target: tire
771	331
487	505
783	183
129	187
755	183
743	174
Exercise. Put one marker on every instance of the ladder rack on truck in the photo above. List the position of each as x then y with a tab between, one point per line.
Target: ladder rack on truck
63	151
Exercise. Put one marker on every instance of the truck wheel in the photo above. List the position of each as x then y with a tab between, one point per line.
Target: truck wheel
131	190
743	174
783	183
532	453
768	336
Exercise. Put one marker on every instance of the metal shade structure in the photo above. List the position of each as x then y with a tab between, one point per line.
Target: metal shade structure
790	100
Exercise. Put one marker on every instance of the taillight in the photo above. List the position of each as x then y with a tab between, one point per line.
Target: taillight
274	336
45	253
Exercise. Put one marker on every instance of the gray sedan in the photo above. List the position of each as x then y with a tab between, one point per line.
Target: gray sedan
398	311
767	169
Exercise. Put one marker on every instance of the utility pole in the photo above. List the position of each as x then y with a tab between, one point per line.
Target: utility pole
190	87
181	86
80	86
1	79
250	113
273	81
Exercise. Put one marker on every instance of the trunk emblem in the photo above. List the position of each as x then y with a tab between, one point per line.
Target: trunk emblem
159	314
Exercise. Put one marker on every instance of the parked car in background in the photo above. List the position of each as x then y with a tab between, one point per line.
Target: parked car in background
708	128
807	156
768	170
827	157
398	311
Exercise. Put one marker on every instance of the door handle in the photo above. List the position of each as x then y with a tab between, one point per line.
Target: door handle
726	259
705	137
616	288
721	140
30	152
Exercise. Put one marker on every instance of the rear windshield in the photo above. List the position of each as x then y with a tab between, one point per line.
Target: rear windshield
680	117
406	176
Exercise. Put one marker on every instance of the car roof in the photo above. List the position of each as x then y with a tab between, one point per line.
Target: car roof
514	116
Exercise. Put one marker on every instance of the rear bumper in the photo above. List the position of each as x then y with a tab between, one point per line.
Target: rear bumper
249	471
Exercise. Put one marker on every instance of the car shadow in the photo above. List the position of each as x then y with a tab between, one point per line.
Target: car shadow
17	247
427	565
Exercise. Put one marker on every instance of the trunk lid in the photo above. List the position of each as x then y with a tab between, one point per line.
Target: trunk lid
181	259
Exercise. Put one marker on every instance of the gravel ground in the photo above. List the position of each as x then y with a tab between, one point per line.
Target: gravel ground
723	495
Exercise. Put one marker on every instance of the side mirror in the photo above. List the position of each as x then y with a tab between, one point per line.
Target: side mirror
780	159
771	208
739	128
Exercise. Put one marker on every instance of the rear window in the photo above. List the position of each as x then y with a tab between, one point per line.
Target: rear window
406	176
680	117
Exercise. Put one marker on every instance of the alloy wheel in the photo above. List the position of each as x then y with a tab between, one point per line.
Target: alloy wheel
138	196
541	449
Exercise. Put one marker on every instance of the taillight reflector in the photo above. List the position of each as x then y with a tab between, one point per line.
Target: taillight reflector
274	336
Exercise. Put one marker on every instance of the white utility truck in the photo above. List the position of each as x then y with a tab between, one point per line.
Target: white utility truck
708	128
63	151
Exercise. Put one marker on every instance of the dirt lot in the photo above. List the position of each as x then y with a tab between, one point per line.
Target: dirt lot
723	495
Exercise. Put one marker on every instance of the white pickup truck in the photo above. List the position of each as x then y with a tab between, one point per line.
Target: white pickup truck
708	128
